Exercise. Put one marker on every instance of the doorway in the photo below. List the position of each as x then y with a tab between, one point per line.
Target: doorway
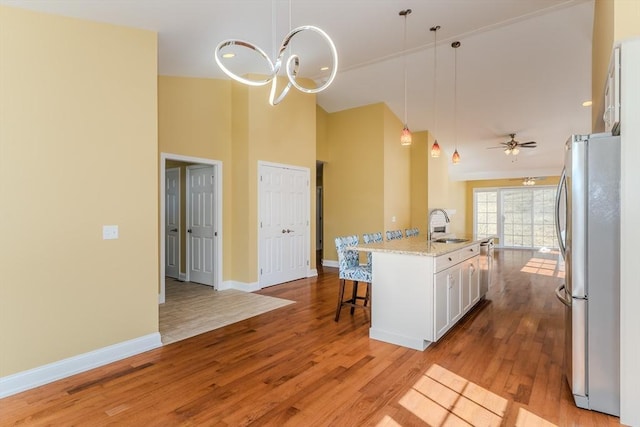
207	248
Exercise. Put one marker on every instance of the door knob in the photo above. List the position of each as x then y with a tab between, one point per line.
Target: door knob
284	231
174	230
189	231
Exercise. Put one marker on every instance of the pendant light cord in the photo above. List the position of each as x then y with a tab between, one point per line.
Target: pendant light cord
435	70
455	45
404	48
455	99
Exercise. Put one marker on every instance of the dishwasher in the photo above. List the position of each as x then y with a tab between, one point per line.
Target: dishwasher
486	265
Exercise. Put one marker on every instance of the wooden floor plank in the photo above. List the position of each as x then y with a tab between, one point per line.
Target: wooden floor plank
501	365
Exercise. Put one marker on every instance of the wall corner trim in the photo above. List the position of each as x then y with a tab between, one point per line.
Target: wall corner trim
45	374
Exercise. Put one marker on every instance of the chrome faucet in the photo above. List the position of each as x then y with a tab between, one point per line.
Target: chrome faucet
446	217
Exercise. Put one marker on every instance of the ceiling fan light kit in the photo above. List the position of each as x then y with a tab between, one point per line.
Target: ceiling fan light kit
513	147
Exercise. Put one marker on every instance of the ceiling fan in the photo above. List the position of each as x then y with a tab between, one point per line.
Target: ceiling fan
513	146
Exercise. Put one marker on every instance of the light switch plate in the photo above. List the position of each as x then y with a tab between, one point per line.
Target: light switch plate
109	232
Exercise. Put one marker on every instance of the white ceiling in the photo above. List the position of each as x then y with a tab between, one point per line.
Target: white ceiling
524	65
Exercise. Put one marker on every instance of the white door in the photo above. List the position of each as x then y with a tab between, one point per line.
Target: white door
200	224
172	222
284	224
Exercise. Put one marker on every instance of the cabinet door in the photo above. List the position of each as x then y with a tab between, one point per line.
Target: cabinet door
455	294
441	306
465	285
474	279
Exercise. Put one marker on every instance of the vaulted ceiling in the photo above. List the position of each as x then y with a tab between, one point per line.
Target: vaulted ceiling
524	66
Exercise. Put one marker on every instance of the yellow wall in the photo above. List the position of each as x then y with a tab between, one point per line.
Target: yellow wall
626	19
194	119
420	153
445	193
496	183
353	180
78	150
397	175
322	147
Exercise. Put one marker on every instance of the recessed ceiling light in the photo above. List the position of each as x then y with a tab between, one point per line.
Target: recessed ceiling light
228	55
587	104
324	68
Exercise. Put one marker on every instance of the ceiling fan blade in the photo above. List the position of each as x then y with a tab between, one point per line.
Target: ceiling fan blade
527	143
490	148
527	146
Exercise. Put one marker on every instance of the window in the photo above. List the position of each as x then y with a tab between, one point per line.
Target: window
486	209
520	217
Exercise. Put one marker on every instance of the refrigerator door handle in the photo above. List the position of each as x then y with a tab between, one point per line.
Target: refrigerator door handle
561	295
561	185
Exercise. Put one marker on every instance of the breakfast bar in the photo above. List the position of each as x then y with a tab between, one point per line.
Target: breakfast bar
421	288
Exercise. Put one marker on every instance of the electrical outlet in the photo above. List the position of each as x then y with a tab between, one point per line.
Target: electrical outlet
109	232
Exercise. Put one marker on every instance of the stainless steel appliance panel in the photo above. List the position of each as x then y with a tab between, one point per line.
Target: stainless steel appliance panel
603	274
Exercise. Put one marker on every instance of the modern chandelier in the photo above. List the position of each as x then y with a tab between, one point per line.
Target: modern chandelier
291	67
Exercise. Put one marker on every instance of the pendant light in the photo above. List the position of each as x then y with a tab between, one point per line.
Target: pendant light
456	156
405	136
435	148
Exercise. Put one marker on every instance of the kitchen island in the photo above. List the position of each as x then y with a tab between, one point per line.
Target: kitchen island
420	288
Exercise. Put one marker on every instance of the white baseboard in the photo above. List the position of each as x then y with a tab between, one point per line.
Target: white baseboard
330	263
312	272
241	286
45	374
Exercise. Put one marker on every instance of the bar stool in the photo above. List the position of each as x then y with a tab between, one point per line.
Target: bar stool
371	238
394	234
350	269
410	232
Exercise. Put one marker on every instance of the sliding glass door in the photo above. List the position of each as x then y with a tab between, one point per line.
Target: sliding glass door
520	217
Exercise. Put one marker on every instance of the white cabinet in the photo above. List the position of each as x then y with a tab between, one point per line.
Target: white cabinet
448	305
456	287
471	282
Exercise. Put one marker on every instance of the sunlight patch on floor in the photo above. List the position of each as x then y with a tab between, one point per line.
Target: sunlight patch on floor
442	398
544	267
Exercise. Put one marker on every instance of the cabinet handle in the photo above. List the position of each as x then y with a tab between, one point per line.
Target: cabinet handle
450	259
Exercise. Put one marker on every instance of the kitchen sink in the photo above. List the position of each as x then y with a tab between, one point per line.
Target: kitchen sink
451	240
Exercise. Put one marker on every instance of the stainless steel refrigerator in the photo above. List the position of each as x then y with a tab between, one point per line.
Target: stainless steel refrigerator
588	227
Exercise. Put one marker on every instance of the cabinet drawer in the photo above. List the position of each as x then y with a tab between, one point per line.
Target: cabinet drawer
469	252
448	260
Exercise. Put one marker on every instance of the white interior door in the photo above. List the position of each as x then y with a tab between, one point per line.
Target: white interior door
201	224
284	224
172	222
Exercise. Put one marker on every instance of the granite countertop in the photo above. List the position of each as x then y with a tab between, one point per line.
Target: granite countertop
418	245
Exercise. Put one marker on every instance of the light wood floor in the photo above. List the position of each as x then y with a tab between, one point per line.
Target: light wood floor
295	366
191	309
